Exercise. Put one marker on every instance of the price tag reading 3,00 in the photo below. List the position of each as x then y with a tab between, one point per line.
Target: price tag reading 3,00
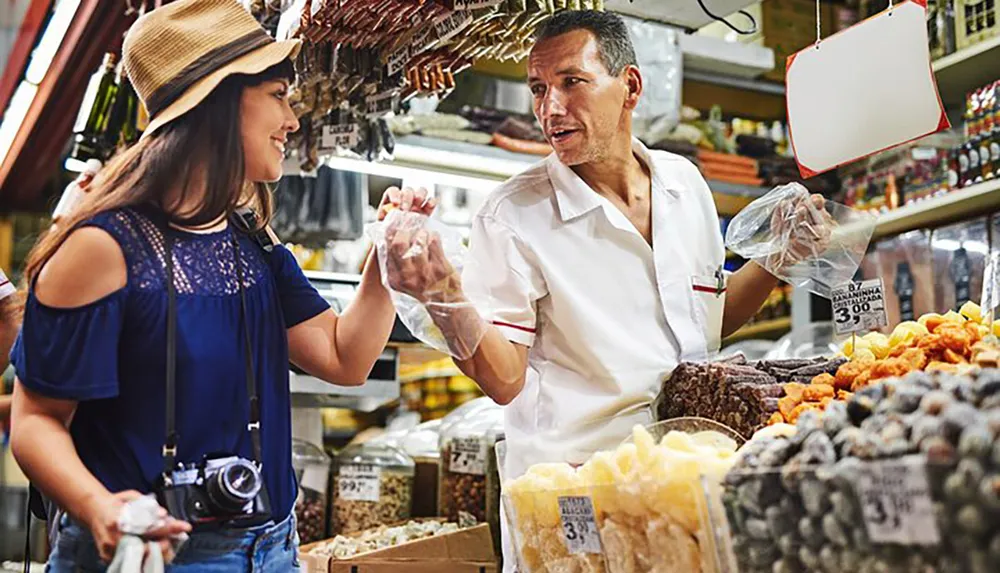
579	525
859	306
360	482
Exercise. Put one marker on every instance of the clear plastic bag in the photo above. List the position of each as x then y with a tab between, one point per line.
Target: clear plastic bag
787	231
423	275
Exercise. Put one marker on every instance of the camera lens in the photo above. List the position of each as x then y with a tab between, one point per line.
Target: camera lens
234	485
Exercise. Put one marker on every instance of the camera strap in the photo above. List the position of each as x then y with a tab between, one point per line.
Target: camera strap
170	444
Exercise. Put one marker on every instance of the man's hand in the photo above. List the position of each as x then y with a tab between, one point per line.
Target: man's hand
101	519
804	227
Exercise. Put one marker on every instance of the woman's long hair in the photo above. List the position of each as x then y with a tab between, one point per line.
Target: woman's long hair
202	149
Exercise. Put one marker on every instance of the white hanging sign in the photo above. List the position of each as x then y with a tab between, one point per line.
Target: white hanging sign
863	90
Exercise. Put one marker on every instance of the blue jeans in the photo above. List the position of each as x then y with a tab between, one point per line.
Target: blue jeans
268	548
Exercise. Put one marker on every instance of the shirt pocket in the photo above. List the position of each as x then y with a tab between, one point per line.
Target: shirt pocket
708	298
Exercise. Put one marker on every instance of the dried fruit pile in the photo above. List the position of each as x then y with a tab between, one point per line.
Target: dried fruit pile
953	343
791	500
742	395
646	506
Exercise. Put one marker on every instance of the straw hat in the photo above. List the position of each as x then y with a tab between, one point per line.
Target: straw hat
176	55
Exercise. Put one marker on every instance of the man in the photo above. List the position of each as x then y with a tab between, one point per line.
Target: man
596	271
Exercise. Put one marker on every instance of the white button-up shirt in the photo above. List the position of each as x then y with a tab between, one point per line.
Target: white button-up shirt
558	268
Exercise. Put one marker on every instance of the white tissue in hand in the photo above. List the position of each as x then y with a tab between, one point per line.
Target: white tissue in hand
139	516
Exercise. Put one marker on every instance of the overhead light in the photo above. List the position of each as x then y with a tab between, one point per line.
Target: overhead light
55	31
412	173
20	102
41	60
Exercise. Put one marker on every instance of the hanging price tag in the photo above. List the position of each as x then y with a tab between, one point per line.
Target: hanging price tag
579	525
314	478
360	482
468	456
397	60
382	103
448	26
896	502
859	306
458	5
341	135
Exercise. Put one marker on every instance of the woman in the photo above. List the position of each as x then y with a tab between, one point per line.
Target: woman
95	356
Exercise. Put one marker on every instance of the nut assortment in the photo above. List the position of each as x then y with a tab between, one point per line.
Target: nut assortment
793	504
461	495
394	502
343	547
310	514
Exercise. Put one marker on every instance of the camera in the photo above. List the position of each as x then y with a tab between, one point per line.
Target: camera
220	492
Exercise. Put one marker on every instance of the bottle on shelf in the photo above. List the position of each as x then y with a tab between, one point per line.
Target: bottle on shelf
891	193
955	170
971	146
122	114
995	134
986	132
93	115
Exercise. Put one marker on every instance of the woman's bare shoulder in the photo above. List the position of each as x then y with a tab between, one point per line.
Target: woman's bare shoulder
87	267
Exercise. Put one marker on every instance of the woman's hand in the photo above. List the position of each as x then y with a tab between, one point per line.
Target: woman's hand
406	199
102	521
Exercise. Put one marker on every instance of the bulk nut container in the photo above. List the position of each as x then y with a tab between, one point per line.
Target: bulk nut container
372	486
312	472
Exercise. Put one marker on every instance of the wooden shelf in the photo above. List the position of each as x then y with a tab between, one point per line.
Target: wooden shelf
763	329
978	199
965	70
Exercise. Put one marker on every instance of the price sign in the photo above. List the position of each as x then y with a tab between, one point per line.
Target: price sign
360	482
859	306
314	478
896	502
397	60
379	104
579	525
448	26
468	456
342	135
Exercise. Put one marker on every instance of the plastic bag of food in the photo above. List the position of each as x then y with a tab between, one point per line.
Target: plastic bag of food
802	239
421	260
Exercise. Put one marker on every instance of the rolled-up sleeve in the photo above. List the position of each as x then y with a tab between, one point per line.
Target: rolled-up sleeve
70	354
503	280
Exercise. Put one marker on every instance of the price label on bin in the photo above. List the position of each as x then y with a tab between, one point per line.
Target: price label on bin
896	502
468	456
360	482
859	306
579	525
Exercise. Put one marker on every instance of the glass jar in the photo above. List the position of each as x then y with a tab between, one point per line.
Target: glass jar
312	472
421	444
372	486
465	449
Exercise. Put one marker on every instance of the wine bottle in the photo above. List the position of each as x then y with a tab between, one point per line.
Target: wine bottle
117	116
94	111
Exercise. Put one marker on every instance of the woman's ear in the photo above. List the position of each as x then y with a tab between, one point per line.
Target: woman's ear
633	82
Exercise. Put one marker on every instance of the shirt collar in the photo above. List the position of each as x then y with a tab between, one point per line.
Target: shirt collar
575	198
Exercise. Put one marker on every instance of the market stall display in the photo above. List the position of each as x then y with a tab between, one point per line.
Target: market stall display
635	509
343	546
903	477
372	486
312	471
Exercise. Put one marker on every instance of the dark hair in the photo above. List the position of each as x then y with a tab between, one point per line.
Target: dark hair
614	45
204	142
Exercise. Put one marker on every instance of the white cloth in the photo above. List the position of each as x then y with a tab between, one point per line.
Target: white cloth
133	554
7	288
560	269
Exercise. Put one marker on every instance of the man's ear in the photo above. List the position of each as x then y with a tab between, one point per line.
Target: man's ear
633	83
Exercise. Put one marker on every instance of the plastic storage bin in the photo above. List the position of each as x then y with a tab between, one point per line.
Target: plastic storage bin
372	485
312	471
466	446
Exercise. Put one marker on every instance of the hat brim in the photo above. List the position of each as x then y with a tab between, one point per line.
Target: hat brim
251	63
